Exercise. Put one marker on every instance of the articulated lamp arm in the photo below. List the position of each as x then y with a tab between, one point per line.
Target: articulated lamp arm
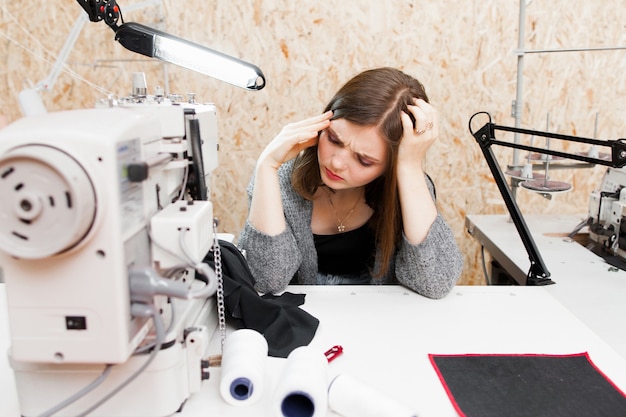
538	273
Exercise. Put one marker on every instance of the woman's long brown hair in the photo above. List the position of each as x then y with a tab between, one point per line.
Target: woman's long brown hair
374	97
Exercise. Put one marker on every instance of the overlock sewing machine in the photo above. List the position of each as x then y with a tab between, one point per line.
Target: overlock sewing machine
105	219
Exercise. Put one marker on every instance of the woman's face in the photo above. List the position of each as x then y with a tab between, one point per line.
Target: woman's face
350	155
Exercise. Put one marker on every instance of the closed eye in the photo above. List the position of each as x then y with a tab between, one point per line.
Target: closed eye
332	139
364	161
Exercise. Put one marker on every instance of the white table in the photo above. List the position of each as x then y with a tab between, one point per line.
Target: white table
387	333
586	285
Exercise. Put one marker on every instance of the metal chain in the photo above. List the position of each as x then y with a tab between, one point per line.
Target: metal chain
221	310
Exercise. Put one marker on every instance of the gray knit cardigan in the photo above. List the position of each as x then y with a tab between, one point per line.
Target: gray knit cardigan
430	268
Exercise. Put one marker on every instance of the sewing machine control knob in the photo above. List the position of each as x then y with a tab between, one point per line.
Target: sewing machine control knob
139	171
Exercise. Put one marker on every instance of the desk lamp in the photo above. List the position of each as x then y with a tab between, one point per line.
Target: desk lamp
156	44
538	273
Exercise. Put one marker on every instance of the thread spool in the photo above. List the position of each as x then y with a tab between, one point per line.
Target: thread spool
244	357
351	397
302	389
139	86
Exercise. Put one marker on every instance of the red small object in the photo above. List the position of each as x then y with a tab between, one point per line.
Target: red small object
332	353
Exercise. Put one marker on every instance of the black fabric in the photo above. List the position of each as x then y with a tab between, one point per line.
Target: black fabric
348	253
278	317
528	385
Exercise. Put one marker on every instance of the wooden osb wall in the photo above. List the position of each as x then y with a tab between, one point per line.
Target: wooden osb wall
465	55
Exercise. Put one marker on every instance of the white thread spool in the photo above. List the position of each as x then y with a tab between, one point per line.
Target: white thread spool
243	367
302	389
353	398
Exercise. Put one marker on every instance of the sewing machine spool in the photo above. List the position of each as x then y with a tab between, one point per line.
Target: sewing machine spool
543	186
517	174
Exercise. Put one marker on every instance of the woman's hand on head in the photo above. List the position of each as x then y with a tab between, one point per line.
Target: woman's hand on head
293	138
417	140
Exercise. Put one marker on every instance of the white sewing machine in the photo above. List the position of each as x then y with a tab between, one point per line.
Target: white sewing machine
104	219
607	209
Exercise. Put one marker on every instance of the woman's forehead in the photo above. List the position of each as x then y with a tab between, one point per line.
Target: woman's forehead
366	140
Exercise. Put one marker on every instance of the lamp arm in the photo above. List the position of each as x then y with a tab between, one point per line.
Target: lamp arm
618	147
538	273
98	10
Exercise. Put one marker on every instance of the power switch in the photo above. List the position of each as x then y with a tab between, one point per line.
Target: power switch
75	322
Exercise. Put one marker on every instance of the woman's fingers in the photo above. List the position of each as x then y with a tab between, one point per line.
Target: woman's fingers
315	123
295	137
425	117
418	136
407	123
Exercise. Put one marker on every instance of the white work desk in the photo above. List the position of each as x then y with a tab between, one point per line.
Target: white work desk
585	284
387	333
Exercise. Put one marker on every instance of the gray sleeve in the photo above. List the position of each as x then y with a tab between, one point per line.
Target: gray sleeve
432	267
273	260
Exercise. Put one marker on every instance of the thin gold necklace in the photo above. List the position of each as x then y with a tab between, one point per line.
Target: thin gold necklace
340	226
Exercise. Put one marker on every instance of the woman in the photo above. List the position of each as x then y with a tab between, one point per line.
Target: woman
342	198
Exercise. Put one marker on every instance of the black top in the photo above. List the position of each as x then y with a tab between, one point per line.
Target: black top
348	253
